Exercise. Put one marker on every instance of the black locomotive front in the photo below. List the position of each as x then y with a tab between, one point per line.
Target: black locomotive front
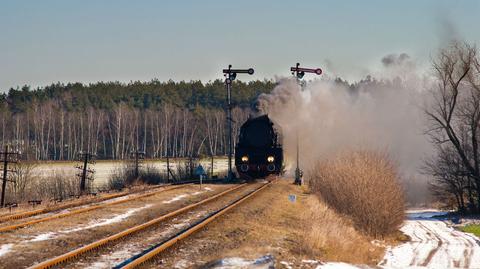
258	152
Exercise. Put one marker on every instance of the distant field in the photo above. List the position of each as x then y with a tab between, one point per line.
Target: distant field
105	168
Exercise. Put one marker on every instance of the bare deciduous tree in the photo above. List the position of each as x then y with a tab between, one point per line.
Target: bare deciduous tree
454	118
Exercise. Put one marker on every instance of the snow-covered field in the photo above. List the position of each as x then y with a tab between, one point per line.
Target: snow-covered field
104	169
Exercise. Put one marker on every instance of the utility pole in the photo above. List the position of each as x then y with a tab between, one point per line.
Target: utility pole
137	157
85	172
230	75
299	72
8	157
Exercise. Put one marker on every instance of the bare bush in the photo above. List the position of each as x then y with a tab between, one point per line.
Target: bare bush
364	186
117	179
23	181
29	185
125	176
152	175
59	186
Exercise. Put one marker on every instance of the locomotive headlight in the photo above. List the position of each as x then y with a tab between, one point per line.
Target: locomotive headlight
244	159
270	159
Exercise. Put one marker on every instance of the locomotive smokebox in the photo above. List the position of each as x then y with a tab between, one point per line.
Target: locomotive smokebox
258	152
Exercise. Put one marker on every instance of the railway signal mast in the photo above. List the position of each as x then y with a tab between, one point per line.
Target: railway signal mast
299	73
230	75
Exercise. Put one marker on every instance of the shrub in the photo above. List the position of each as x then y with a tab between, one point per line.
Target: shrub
364	186
125	176
59	186
117	179
152	175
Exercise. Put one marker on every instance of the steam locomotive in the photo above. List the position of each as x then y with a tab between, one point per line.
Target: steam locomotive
258	152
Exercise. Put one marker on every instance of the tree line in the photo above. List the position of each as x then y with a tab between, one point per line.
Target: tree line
112	119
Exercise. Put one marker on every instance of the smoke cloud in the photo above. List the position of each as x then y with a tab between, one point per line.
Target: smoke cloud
395	59
328	116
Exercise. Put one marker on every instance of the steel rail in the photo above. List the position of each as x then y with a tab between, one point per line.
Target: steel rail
86	209
31	213
150	253
99	243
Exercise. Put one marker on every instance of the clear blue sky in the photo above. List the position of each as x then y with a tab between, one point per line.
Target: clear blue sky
90	40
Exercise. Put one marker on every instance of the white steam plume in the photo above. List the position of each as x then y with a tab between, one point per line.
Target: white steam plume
331	116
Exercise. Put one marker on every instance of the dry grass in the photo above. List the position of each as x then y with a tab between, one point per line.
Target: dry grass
364	186
333	237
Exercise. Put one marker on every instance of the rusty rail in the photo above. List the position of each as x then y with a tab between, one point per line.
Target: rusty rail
86	209
31	213
154	251
97	244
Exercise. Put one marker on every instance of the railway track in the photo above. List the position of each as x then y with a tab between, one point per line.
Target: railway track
87	209
139	232
31	213
155	250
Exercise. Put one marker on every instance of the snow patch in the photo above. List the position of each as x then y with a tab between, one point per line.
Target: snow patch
310	261
4	249
92	224
264	262
176	198
182	196
181	264
287	265
337	265
42	237
111	259
103	222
